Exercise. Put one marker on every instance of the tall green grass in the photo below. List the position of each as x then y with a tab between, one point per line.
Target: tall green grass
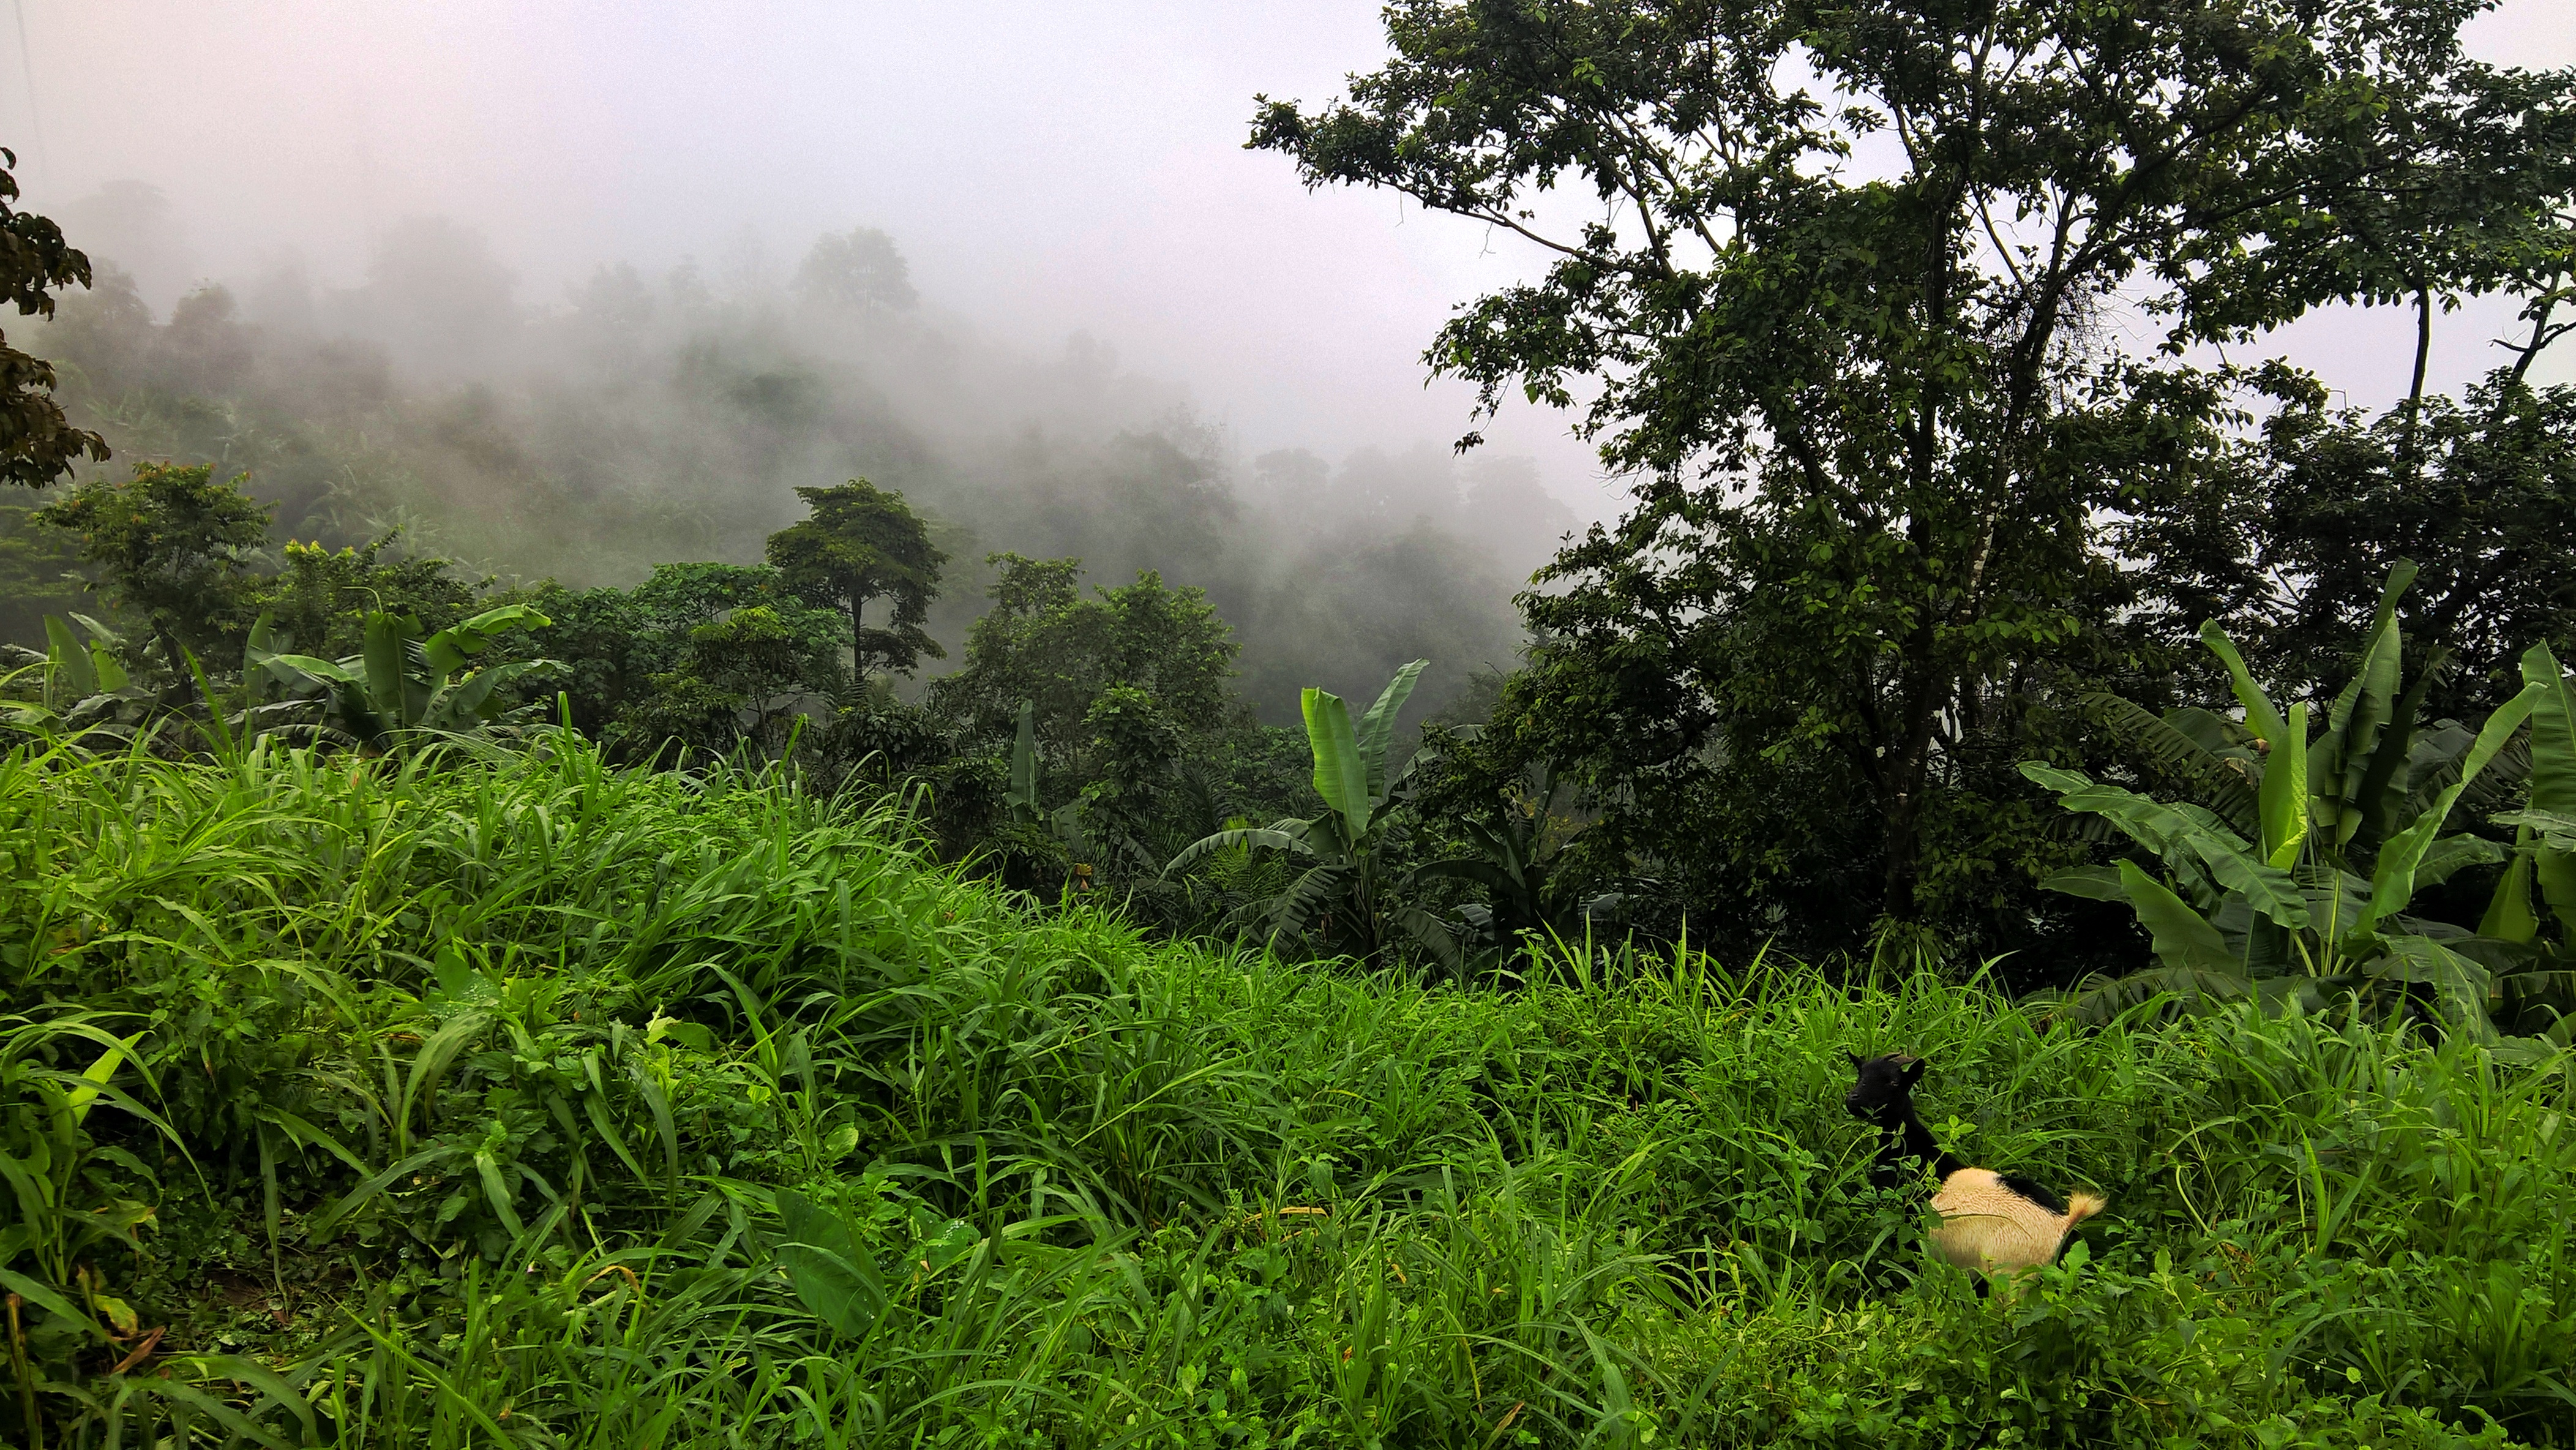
462	1093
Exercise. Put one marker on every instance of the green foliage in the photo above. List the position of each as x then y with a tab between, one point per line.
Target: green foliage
2478	491
320	599
37	444
2345	828
406	682
170	545
699	656
1342	889
861	545
613	1108
1042	642
1881	448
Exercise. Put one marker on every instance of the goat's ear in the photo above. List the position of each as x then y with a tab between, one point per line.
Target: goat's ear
1854	1056
1913	1072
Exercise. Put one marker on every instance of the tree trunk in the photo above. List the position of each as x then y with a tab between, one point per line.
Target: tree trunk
2406	466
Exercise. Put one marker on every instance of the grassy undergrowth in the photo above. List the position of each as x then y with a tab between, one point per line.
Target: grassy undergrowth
527	1102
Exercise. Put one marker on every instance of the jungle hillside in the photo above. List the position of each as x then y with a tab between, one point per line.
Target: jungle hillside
739	855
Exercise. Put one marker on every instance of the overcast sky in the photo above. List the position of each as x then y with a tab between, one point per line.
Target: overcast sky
1045	167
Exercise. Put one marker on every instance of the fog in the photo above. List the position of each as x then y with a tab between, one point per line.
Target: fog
569	238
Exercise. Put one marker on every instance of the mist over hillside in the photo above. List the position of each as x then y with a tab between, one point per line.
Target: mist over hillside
647	417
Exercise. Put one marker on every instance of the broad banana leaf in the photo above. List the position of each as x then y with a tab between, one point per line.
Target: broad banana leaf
347	687
1379	723
2284	792
2385	776
262	643
2509	915
2452	854
2392	881
2184	941
2093	883
2459	984
2176	751
111	675
1430	934
1023	795
383	659
1306	898
73	676
2164	829
1342	776
2553	774
468	702
1206	846
1467	868
2098	1000
446	651
2363	708
2260	716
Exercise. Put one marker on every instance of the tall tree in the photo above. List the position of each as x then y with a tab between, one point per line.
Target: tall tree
1843	315
857	270
37	443
862	544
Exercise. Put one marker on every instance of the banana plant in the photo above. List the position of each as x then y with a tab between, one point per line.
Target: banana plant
405	682
2295	877
1343	883
85	686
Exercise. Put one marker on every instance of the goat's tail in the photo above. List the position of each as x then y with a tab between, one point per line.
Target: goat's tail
2081	1206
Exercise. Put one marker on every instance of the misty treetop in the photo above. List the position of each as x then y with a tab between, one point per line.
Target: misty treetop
652	418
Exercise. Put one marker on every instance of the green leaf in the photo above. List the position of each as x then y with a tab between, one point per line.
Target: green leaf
835	1277
1341	773
96	1076
2392	877
466	703
2093	883
2383	776
2260	716
2460	985
2165	828
1430	934
1266	836
49	1301
304	669
2214	779
2509	916
255	653
1379	723
383	657
1023	795
496	1188
2184	941
2284	792
2363	707
2450	854
2553	733
447	651
71	664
